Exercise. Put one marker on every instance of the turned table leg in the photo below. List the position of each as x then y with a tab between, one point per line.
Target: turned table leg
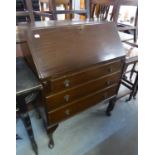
28	126
27	122
110	106
50	133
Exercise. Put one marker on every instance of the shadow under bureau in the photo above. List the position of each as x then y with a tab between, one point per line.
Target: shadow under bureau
79	64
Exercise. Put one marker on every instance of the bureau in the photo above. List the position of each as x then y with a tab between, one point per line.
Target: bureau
79	65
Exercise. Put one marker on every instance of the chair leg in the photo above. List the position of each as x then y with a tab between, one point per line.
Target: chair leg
132	70
112	14
135	92
92	10
42	9
135	36
18	137
97	11
107	11
132	94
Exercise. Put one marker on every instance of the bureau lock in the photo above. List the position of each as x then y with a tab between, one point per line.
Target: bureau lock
66	83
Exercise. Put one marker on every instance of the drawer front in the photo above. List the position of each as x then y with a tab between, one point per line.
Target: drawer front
72	80
65	97
79	105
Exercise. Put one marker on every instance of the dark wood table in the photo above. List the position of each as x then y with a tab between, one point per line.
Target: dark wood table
27	86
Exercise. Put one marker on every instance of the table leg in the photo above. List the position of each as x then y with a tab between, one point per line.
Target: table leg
27	122
28	126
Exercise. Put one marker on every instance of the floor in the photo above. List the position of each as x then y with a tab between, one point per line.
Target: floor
88	133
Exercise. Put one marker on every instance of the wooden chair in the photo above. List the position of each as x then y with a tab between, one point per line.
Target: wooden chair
68	10
25	10
123	27
130	73
29	11
101	7
52	6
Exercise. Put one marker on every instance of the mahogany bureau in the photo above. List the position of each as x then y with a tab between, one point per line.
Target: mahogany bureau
78	63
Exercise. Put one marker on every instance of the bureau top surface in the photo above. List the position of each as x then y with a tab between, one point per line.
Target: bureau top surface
62	47
56	24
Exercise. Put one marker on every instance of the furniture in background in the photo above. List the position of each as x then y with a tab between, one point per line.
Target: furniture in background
21	43
130	29
132	86
102	8
29	11
24	10
67	4
130	72
27	88
68	11
79	64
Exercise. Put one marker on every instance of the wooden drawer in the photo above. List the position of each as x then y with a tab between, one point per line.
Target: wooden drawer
80	105
65	97
77	78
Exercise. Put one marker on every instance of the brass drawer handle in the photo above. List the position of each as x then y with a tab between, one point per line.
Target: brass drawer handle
110	70
67	83
108	83
67	112
66	98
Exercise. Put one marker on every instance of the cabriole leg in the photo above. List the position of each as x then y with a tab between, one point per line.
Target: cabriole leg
110	106
50	133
